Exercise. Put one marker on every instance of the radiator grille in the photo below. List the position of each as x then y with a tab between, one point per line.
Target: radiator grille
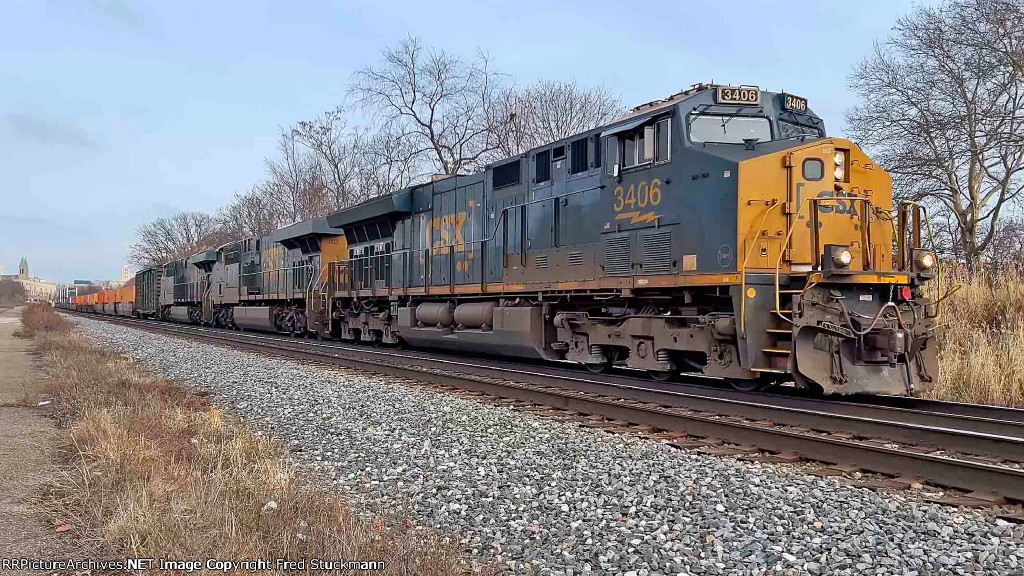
540	261
617	257
575	258
657	258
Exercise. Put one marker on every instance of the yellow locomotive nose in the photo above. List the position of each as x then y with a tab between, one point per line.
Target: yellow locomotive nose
795	202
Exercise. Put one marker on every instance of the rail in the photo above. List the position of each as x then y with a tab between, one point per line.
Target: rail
265	276
979	450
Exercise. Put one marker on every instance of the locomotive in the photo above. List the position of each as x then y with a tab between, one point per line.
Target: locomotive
718	232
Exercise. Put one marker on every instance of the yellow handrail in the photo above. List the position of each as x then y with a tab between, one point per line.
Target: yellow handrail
743	270
789	236
931	240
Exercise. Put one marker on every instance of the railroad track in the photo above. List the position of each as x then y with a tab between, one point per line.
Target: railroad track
965	446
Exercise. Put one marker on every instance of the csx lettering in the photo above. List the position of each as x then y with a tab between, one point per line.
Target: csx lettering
448	226
841	206
639	195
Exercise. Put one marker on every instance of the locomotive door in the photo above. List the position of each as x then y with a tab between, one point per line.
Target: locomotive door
838	221
809	177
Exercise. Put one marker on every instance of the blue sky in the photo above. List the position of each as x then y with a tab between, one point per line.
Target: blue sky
114	112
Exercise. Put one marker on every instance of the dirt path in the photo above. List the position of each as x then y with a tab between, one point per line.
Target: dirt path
26	439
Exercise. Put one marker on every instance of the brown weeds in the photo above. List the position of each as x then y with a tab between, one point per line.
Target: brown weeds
981	351
155	471
40	317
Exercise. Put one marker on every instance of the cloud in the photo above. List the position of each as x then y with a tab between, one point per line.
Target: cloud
45	131
120	11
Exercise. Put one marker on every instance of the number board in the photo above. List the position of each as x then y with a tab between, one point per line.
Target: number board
743	95
794	103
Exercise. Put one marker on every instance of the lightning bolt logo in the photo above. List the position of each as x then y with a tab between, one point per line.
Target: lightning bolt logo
635	217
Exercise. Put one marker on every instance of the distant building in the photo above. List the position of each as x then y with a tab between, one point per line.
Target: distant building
126	274
35	288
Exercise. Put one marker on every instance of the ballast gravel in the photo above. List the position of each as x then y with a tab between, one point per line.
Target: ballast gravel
533	494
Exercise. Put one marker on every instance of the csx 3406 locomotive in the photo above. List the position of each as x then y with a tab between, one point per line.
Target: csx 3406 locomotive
719	232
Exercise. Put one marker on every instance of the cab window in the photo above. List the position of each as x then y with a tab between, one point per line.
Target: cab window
793	130
728	129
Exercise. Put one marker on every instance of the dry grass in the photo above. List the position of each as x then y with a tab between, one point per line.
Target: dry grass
981	353
41	318
156	471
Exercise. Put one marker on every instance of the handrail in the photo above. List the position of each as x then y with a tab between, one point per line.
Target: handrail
501	221
309	285
789	236
743	271
931	240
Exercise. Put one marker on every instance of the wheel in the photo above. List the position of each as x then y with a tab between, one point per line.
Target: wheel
600	368
744	385
660	375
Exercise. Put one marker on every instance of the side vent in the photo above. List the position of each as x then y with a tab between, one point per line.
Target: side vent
617	260
575	258
540	261
657	257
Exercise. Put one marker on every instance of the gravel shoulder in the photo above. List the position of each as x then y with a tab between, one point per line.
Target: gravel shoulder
533	494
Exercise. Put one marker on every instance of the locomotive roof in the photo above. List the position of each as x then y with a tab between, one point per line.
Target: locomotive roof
314	227
659	105
398	202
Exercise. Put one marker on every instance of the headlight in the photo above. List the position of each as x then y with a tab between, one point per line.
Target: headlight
926	261
843	258
839	172
839	158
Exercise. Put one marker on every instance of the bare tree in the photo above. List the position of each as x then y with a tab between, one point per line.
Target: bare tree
1007	249
325	137
433	98
525	118
181	235
387	162
942	108
11	293
286	177
248	214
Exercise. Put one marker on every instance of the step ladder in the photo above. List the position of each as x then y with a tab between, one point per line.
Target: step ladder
774	355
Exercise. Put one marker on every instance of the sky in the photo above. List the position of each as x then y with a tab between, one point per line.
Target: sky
115	112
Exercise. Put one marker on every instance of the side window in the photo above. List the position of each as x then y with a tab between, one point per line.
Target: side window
505	175
663	148
542	166
597	151
814	169
612	156
558	153
578	162
645	144
629	151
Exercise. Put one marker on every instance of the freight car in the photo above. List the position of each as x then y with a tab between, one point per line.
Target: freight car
718	231
117	302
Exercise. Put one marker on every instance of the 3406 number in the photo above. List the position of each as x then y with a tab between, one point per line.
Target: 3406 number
796	103
639	195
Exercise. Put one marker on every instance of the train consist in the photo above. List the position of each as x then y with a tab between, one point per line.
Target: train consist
718	231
